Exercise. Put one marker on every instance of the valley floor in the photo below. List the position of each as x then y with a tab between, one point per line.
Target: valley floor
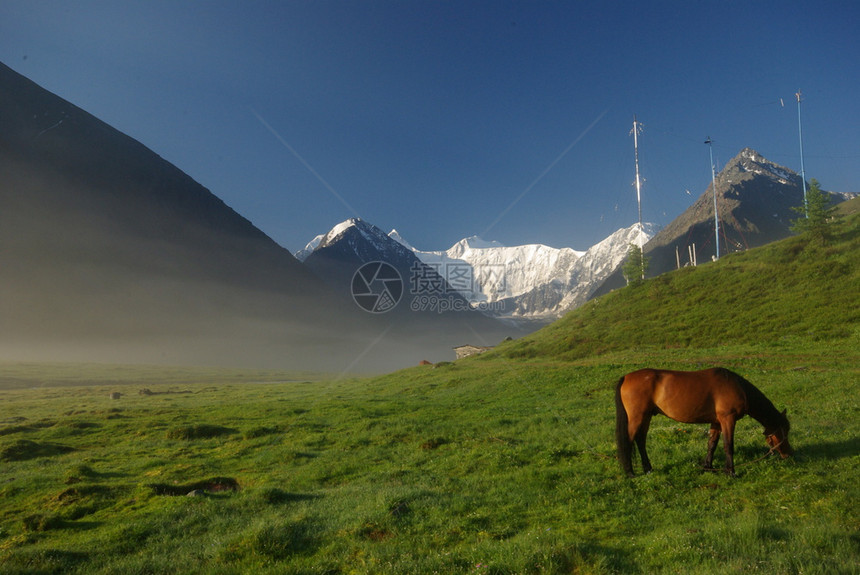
485	465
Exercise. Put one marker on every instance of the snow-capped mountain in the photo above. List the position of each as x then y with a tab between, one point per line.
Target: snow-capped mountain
337	256
531	282
490	272
303	253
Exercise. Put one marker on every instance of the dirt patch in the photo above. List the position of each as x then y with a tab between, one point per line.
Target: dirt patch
434	443
374	532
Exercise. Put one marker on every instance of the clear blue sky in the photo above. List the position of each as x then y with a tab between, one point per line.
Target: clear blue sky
446	119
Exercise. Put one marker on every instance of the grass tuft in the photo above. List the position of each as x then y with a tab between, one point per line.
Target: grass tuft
199	431
24	449
214	485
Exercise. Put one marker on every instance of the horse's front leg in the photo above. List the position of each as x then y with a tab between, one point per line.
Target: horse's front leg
713	439
639	438
728	425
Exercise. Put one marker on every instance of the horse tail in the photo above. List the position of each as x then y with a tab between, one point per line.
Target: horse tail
622	435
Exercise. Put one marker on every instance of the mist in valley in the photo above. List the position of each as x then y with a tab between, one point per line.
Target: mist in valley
110	254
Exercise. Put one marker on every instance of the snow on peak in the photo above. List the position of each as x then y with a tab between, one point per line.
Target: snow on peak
760	165
341	228
478	243
303	254
366	229
395	235
465	245
751	154
533	280
529	281
360	236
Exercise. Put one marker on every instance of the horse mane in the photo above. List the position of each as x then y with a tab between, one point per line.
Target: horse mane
759	406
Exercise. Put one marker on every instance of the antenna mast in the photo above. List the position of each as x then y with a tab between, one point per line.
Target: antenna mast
637	129
800	137
714	186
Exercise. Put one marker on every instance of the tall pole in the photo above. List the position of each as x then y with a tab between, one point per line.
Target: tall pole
637	127
800	137
714	186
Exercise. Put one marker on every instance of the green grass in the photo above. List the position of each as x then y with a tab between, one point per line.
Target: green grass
479	466
772	294
501	463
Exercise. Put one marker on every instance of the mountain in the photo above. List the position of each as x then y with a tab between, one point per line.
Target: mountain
303	253
755	198
526	285
529	283
337	256
109	253
360	261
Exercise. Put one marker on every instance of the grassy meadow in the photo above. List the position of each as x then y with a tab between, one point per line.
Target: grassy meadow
498	464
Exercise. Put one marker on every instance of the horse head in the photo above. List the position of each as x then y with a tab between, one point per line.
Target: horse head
777	436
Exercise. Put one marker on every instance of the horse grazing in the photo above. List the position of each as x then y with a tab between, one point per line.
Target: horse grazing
716	396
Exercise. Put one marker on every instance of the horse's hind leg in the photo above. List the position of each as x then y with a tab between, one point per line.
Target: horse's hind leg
639	438
713	440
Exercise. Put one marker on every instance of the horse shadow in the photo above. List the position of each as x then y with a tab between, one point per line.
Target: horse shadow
821	451
828	450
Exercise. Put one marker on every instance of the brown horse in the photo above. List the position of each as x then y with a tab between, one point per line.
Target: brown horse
716	396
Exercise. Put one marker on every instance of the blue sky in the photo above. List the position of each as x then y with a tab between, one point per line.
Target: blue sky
445	119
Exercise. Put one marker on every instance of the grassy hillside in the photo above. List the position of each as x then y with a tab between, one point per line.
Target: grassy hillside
502	463
783	291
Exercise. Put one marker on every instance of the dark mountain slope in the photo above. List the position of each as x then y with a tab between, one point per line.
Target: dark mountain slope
105	248
70	165
755	198
110	253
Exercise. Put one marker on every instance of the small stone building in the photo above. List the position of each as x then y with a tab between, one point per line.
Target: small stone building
467	350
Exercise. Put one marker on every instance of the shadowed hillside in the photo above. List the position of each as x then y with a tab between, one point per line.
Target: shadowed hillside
108	249
110	253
